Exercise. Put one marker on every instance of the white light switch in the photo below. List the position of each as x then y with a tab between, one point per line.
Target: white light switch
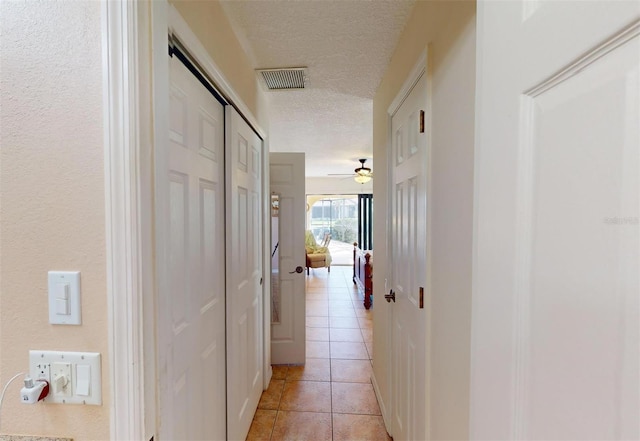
83	379
62	290
62	307
64	298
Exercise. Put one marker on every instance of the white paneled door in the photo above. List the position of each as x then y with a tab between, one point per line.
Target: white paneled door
408	165
190	264
244	273
556	344
286	178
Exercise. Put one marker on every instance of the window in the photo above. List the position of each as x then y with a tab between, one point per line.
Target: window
340	217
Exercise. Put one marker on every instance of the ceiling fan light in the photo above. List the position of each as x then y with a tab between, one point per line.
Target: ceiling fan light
363	171
362	179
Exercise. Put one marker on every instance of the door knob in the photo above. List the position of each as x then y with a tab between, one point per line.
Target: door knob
390	296
298	270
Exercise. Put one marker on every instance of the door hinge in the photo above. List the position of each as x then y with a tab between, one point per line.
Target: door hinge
421	297
260	280
422	121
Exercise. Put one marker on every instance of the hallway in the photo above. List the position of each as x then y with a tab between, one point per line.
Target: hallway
331	397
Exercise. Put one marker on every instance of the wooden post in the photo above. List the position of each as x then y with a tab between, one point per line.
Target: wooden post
368	281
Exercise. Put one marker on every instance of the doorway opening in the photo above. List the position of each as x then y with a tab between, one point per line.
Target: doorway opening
339	217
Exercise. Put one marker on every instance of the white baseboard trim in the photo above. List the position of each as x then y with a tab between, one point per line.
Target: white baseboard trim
268	374
383	407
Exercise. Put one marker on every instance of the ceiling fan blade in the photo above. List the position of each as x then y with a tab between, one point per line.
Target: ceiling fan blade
360	171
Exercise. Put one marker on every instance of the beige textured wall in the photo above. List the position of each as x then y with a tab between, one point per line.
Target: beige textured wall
51	199
449	28
52	186
207	20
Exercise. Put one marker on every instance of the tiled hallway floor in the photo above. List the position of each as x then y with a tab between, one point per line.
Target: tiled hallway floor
331	397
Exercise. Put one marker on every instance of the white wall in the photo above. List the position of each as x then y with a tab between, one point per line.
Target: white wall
449	29
336	186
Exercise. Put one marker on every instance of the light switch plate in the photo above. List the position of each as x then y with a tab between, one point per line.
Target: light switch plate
85	386
58	304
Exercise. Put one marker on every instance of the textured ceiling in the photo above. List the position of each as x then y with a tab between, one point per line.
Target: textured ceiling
346	46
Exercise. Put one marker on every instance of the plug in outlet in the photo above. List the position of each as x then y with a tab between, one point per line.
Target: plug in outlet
43	371
74	377
61	379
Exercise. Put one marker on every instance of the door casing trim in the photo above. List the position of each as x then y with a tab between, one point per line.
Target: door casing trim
129	271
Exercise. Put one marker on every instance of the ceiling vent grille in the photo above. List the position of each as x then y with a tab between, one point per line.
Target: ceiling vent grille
284	79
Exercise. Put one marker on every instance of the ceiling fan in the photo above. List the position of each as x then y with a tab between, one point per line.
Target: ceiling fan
362	174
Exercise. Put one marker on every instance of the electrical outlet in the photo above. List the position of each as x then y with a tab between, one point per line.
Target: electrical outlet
74	377
42	371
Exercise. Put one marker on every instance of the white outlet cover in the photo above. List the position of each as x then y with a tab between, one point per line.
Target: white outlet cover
40	366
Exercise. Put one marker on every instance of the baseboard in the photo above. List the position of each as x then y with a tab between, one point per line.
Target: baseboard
267	377
383	408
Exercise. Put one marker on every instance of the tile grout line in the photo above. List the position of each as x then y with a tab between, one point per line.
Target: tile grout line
330	372
273	427
331	377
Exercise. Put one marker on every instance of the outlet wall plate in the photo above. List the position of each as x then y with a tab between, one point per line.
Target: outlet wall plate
49	364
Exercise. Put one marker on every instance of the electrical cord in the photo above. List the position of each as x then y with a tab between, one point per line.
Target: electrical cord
5	390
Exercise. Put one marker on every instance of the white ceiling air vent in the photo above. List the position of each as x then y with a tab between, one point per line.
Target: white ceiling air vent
284	78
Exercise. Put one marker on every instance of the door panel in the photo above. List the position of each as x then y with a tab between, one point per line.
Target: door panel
556	326
288	332
566	208
190	250
244	274
409	268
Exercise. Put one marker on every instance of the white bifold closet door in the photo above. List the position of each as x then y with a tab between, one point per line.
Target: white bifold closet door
190	249
245	328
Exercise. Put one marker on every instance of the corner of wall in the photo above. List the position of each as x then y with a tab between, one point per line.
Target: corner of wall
448	28
209	23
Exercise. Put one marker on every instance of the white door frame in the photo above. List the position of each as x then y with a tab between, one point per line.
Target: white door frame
133	32
127	206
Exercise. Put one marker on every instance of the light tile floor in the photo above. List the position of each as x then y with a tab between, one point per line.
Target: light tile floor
330	398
